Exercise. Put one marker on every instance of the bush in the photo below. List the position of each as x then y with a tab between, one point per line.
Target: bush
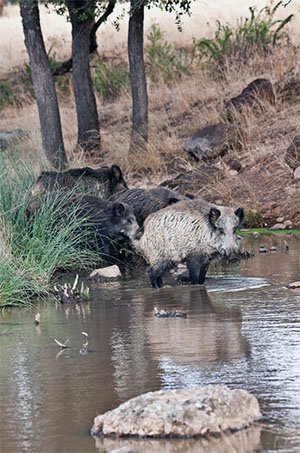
7	95
32	251
259	33
111	80
253	219
163	61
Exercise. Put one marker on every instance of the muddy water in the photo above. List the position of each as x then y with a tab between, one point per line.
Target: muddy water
242	329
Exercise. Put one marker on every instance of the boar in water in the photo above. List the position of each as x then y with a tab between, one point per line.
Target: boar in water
102	182
144	202
194	232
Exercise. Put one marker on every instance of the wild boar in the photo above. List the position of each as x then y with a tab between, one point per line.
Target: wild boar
104	221
145	202
194	232
102	182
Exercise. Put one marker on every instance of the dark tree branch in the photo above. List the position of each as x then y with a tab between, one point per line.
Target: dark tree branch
110	7
67	65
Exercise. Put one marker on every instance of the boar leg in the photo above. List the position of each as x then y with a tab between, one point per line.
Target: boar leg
156	273
197	266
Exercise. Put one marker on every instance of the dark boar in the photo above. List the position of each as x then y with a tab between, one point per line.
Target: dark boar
104	221
102	182
145	202
195	232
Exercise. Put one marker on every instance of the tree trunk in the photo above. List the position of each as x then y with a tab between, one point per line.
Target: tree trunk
86	108
1	7
139	131
43	83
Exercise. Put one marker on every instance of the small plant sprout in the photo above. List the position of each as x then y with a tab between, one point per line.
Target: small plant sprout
68	294
84	348
169	314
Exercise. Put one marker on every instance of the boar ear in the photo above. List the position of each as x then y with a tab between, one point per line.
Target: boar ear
119	209
239	212
213	215
117	173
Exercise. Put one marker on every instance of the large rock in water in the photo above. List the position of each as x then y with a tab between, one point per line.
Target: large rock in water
201	411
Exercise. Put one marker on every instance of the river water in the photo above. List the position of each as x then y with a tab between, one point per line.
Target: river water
242	329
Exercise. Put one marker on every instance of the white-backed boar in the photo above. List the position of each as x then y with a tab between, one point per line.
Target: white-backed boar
194	232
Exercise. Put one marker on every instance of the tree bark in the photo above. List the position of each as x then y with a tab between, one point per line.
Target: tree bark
139	131
43	83
1	7
66	65
87	116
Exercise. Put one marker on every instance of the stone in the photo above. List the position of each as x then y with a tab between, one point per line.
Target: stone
8	138
195	179
288	91
106	274
234	164
292	155
204	411
278	226
233	172
293	285
252	96
297	173
280	219
123	450
213	141
288	223
263	249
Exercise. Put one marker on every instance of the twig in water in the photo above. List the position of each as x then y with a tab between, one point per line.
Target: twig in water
61	345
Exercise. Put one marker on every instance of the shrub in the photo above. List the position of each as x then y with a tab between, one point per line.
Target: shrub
163	61
260	32
7	95
111	80
253	219
32	251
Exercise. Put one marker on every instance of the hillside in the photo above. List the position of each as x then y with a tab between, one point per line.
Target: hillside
265	184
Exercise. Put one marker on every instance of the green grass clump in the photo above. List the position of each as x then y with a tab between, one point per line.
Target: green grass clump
110	80
259	33
253	219
32	251
7	95
162	60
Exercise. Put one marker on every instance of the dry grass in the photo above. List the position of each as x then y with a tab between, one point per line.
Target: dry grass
57	33
178	110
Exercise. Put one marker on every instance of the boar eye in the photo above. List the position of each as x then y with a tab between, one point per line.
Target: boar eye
221	230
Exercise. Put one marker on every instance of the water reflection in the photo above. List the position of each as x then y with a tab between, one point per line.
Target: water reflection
242	442
242	329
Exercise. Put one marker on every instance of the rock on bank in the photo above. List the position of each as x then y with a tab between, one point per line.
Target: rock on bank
202	411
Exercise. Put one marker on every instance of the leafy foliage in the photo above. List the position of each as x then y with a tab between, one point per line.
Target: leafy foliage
260	32
7	95
164	62
111	80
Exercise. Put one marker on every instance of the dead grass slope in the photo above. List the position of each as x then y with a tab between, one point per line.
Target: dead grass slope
177	110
